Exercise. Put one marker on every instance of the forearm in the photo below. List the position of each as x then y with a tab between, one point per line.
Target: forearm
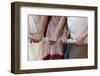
86	40
60	24
65	31
85	35
43	24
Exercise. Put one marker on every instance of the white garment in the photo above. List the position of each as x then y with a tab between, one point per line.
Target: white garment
35	50
77	26
32	27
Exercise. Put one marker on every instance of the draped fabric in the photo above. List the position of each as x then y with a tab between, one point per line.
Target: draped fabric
77	26
34	49
44	50
53	51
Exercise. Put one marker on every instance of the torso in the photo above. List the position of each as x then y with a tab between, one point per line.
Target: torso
77	26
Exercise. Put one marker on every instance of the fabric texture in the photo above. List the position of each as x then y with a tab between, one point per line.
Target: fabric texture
35	50
44	50
77	26
54	51
74	51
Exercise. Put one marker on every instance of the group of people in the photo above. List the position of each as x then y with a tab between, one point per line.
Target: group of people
65	37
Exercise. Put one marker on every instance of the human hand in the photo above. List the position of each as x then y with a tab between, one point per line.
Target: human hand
54	38
63	38
36	37
80	41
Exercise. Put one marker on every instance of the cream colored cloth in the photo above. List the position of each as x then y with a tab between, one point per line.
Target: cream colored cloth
34	49
77	26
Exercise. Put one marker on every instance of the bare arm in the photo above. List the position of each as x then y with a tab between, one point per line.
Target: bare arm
55	35
43	24
83	40
60	24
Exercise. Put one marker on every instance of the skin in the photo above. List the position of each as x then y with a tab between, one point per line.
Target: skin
55	36
83	40
43	23
80	42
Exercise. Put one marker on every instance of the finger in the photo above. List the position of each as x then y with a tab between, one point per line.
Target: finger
52	42
65	41
35	40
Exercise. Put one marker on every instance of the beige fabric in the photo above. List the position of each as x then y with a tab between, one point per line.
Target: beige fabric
34	49
77	26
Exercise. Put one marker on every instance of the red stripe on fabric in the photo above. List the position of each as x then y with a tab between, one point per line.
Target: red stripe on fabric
52	57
